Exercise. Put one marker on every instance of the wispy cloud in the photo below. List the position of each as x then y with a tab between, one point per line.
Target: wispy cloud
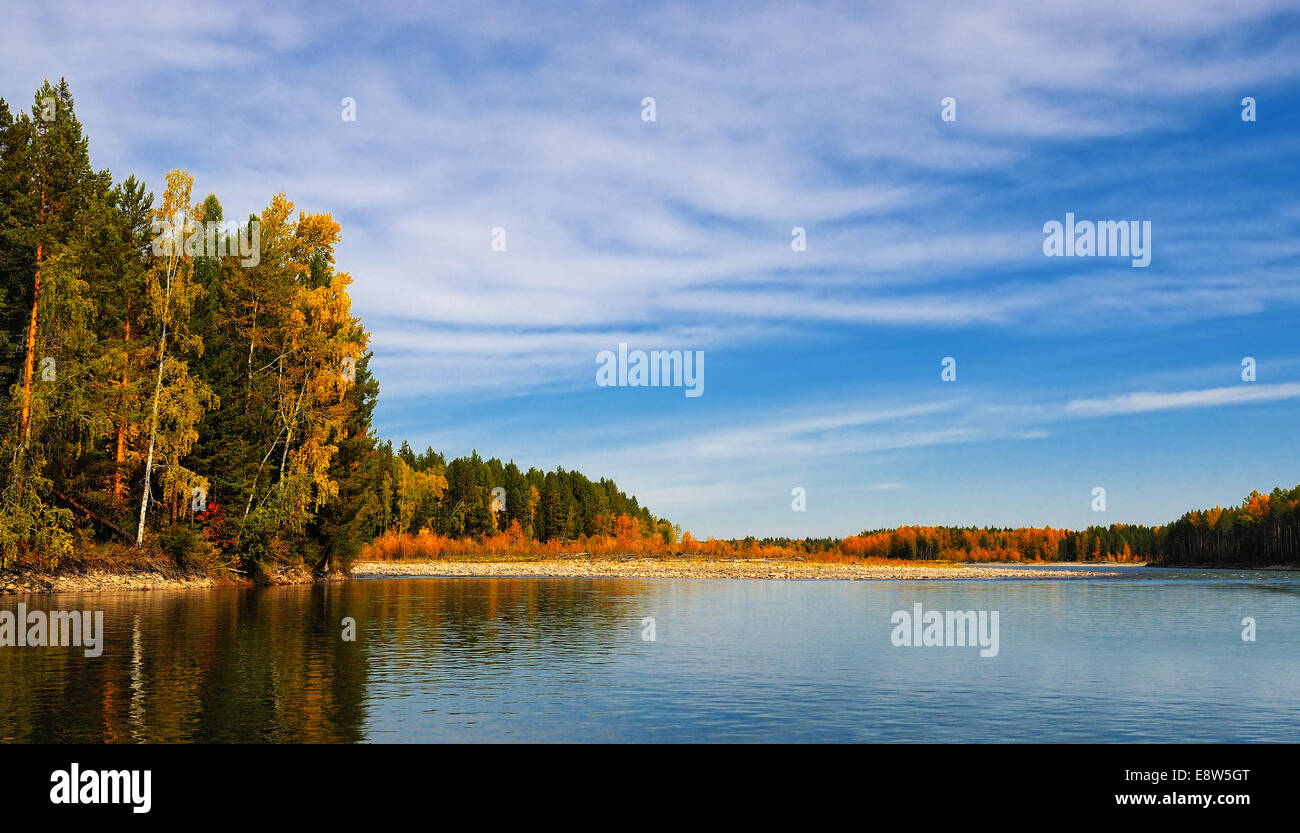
1135	403
771	119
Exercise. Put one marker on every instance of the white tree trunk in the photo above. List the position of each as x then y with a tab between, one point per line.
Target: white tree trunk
153	435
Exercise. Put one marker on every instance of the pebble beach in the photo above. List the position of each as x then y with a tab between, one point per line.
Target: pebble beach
702	568
105	581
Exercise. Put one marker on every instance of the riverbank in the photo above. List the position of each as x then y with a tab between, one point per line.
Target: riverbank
704	568
111	581
96	581
107	580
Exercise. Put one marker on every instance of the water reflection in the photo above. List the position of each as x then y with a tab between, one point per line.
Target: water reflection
1152	657
220	665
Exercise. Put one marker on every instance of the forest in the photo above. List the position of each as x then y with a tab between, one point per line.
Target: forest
175	385
169	393
1263	531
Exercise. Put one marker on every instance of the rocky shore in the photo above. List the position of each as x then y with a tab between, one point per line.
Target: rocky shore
701	568
96	581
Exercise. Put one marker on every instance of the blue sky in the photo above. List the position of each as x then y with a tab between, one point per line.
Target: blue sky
822	367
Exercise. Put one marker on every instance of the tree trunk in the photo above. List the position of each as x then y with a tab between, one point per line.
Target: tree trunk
91	514
252	339
119	455
30	364
284	454
153	435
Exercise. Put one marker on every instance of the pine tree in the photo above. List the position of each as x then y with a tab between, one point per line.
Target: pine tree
52	202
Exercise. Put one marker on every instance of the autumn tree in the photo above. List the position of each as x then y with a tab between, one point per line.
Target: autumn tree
178	398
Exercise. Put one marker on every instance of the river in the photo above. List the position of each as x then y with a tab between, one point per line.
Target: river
1152	655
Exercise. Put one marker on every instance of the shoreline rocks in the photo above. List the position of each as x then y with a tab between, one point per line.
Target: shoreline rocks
103	581
96	581
701	568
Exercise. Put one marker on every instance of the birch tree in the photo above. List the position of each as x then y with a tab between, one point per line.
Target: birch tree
179	397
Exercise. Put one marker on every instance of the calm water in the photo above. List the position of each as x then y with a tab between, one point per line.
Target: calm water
1153	656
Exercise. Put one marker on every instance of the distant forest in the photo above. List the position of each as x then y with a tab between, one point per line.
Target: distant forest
176	385
1264	530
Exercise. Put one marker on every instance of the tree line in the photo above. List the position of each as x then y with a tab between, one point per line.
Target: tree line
470	497
1263	530
166	390
1117	542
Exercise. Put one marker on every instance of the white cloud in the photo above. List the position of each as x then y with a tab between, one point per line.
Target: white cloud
1134	403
